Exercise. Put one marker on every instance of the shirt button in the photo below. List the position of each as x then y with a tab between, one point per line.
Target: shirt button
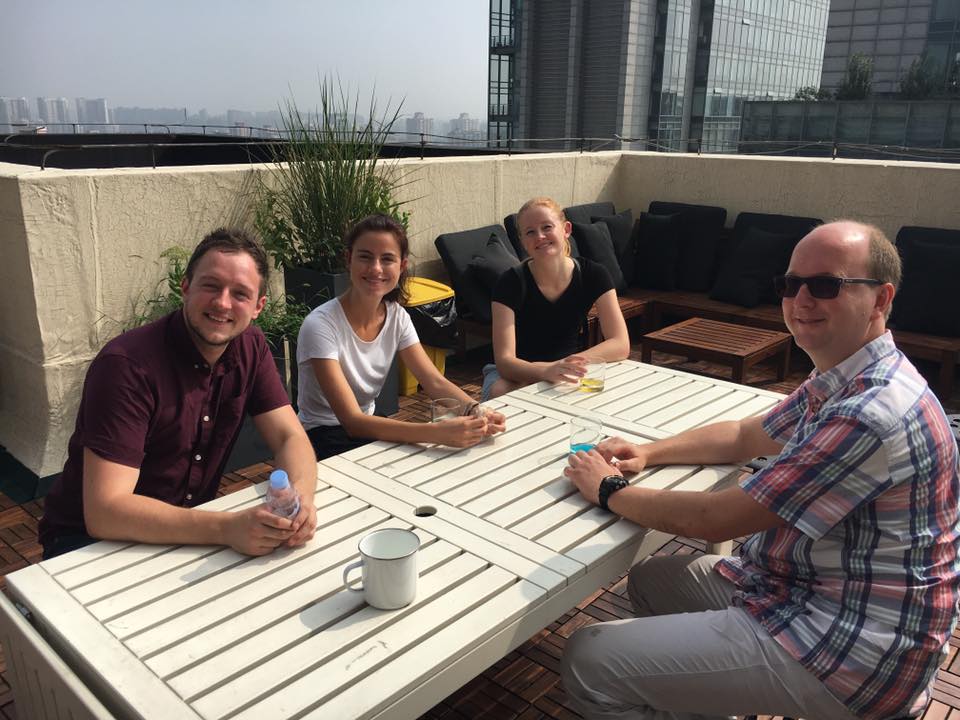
189	496
197	458
206	418
196	366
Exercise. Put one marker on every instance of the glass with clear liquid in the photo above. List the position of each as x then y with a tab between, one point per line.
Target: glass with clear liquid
585	434
592	381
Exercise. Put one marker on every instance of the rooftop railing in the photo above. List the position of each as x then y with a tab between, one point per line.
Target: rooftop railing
172	147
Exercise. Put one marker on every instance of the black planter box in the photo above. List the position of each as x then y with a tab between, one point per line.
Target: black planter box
314	288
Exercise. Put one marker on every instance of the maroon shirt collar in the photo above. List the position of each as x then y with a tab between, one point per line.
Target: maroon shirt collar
187	352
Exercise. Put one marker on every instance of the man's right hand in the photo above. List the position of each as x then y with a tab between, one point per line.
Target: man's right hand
460	432
624	455
568	370
257	531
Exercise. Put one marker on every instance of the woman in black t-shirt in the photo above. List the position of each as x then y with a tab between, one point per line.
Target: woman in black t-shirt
540	306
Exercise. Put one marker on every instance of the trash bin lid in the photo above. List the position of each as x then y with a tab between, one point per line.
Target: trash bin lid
424	290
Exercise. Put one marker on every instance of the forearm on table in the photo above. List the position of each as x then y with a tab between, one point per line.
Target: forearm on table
610	350
674	512
521	371
712	516
379	428
718	443
144	519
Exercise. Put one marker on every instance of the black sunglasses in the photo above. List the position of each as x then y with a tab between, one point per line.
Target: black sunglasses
822	287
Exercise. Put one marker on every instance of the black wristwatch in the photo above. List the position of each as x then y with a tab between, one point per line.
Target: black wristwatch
608	486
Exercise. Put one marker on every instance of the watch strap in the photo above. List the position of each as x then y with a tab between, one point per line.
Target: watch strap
608	486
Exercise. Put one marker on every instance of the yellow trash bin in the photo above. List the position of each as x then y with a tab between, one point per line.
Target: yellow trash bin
422	291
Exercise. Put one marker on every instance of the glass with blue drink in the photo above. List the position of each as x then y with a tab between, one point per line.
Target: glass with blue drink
585	434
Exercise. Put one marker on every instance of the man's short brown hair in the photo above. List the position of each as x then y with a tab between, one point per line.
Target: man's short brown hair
232	240
884	261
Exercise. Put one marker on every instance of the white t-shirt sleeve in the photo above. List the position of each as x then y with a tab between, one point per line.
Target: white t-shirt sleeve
319	337
407	333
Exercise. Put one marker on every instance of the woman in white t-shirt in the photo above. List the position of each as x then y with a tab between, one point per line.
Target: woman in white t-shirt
346	346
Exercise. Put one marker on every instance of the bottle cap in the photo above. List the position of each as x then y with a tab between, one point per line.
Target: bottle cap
279	479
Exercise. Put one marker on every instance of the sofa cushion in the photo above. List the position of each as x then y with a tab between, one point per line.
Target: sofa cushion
621	233
794	225
486	267
929	270
513	232
701	227
457	251
583	213
595	243
491	262
657	239
746	277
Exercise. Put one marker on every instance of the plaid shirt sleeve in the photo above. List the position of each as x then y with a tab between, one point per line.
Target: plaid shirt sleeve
825	471
782	419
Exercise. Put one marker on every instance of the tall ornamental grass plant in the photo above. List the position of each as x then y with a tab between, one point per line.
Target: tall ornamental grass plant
325	178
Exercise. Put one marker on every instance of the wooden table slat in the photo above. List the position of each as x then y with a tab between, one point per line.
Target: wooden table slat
281	650
288	690
149	632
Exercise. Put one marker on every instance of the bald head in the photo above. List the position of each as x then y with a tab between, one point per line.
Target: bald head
864	250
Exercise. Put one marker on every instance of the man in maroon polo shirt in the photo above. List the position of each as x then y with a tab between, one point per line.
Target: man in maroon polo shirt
161	410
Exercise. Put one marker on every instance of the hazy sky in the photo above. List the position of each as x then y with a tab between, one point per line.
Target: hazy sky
246	54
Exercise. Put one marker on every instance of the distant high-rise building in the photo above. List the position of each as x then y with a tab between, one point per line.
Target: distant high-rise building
465	127
13	111
54	111
893	34
419	124
93	114
674	71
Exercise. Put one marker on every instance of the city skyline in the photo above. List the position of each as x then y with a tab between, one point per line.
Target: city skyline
221	56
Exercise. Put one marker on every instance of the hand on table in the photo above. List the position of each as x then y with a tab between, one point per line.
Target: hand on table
460	432
623	455
586	470
257	531
496	422
304	525
568	370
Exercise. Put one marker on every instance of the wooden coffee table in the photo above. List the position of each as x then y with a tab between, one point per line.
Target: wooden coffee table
738	346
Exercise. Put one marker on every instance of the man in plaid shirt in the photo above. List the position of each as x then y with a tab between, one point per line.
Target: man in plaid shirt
845	594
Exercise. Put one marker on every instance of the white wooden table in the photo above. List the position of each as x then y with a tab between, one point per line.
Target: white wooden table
508	546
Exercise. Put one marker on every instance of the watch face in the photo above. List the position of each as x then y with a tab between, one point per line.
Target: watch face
608	486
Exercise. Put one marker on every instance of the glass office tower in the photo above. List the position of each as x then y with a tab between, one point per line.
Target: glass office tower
667	74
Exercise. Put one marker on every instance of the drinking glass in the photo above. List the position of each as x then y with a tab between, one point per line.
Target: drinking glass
592	381
445	409
585	434
478	410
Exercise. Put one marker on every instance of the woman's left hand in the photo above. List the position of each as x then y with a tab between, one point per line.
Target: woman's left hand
496	422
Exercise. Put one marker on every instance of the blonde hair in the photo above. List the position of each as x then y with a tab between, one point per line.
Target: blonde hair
553	207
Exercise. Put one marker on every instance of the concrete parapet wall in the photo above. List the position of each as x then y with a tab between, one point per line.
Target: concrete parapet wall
80	248
887	194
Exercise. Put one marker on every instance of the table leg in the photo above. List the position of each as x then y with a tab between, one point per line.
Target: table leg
720	548
646	352
784	368
948	361
738	370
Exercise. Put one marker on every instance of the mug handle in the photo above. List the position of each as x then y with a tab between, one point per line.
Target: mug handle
346	571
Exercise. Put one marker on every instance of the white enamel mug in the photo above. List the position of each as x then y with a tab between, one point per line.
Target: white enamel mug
388	562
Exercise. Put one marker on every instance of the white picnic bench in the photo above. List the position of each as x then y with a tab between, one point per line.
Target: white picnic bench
148	631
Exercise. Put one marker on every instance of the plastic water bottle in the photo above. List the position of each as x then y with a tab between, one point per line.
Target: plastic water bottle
281	497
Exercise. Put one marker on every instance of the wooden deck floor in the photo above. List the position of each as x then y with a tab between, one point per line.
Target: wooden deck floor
524	685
